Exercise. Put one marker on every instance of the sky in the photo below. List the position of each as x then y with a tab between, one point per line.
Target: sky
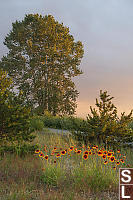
105	27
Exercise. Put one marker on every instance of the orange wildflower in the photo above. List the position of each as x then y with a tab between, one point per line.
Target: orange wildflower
86	152
78	152
122	160
118	163
109	154
37	151
41	155
58	155
63	152
112	159
114	168
46	157
71	148
100	153
85	156
105	152
103	156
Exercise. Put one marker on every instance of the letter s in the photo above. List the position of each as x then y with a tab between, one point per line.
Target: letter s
126	175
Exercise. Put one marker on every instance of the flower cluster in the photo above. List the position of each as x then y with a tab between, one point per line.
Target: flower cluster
85	152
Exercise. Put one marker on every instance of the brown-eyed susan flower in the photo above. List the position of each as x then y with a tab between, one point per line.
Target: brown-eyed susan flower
63	152
94	153
54	161
104	152
110	151
78	152
41	155
122	160
90	152
109	154
105	162
100	153
71	148
85	156
37	151
86	152
112	159
114	168
94	147
46	157
118	151
58	155
55	148
103	156
118	163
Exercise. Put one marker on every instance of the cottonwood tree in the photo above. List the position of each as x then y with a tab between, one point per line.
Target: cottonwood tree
42	60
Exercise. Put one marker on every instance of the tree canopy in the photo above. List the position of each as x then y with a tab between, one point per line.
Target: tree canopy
42	60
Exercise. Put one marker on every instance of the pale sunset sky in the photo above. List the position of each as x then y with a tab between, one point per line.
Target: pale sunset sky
105	27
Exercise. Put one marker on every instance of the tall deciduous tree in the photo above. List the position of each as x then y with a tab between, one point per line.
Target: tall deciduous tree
42	60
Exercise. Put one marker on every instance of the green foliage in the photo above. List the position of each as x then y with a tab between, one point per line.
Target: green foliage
104	125
93	178
65	122
42	60
37	124
21	151
52	175
14	114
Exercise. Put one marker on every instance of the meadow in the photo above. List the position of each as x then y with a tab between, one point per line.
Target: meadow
60	169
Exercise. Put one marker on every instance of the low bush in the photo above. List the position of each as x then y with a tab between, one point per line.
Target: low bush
21	150
36	124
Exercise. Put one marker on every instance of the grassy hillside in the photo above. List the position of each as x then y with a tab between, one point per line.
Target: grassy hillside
65	175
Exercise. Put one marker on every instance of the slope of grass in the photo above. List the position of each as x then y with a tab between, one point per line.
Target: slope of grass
67	177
